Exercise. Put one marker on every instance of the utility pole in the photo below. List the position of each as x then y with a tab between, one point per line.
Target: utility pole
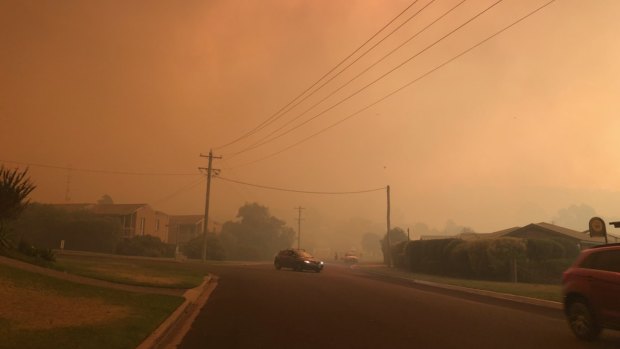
387	236
299	226
68	188
210	171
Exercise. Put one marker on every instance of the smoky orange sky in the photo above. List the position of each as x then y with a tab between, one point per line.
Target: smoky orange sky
508	134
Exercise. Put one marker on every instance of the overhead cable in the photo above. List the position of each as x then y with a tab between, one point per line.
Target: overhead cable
112	172
282	111
266	138
300	191
462	53
374	81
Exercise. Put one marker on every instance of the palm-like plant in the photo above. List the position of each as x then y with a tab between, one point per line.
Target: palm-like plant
15	187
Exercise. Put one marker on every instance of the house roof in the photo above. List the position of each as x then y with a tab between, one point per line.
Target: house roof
554	229
73	207
116	209
104	209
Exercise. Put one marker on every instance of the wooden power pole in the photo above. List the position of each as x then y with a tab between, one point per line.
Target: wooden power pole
210	171
387	236
299	227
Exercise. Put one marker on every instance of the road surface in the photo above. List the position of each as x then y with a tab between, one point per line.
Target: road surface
255	306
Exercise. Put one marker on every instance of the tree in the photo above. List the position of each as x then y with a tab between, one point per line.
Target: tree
15	187
45	226
105	200
257	236
371	243
574	217
193	248
397	235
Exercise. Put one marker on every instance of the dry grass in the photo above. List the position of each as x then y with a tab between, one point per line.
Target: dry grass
39	309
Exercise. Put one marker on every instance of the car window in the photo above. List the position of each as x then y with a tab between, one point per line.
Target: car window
304	254
603	260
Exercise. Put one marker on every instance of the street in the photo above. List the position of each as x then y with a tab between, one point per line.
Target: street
255	306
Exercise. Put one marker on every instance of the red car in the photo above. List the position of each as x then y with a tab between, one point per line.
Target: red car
591	290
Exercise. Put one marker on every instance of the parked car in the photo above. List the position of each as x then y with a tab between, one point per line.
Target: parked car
591	289
299	260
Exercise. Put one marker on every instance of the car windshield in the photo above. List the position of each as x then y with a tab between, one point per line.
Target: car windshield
304	254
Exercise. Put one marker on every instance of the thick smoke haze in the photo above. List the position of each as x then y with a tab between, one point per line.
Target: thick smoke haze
513	132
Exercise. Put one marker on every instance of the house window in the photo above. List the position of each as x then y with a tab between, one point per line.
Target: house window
142	223
157	225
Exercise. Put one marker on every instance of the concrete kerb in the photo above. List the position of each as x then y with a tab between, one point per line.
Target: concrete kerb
171	332
492	294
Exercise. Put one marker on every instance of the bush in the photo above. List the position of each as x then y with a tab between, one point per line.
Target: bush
432	256
146	246
457	259
46	226
502	253
542	249
478	257
193	248
547	271
28	249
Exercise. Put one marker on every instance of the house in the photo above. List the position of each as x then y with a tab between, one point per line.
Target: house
535	231
548	230
183	228
135	219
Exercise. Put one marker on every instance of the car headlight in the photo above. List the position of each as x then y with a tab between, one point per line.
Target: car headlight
307	262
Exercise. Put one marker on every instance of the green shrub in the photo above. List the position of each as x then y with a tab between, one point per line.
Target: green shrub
542	249
546	271
431	256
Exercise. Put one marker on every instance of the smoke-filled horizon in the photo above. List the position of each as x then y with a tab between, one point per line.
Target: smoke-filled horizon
117	98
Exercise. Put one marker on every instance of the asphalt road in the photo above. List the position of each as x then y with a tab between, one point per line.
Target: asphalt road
255	306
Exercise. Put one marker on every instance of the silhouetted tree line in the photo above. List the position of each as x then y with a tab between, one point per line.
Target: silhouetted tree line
256	235
537	260
45	226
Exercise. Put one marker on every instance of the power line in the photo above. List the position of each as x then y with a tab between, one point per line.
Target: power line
280	112
404	86
266	138
300	191
98	170
374	81
179	191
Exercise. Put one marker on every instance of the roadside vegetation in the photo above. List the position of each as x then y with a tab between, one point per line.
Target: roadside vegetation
528	260
550	292
47	312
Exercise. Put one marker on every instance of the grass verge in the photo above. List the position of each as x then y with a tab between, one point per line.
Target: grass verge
43	312
166	273
538	291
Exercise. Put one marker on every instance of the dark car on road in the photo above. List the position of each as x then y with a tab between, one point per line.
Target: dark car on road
591	290
299	260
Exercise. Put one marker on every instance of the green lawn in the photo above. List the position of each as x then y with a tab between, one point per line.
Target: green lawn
539	291
43	312
134	271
